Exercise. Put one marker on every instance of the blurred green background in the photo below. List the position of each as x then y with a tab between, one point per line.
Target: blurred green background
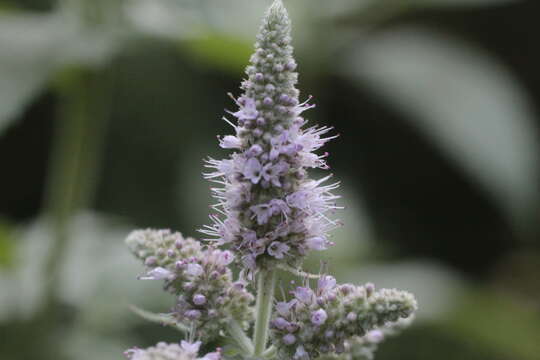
107	108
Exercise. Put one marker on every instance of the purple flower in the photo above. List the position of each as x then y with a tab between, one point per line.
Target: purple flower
252	170
190	348
304	295
255	150
318	317
192	314
283	308
279	206
318	243
158	273
212	356
263	212
224	258
278	249
289	339
375	336
230	142
301	354
199	299
280	323
248	111
325	284
194	270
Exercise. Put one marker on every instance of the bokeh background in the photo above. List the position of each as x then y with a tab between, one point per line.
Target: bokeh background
108	107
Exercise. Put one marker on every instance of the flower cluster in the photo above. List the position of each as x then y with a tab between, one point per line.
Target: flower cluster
327	319
162	351
206	296
270	215
273	212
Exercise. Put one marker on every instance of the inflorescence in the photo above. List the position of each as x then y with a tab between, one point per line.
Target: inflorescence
269	214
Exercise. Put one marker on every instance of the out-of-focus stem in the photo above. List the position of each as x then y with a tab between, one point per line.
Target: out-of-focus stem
265	297
74	161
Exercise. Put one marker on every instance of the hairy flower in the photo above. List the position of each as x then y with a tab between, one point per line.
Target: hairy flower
163	351
327	320
272	211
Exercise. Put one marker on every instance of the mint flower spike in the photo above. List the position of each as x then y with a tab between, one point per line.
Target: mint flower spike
207	298
162	351
335	321
270	211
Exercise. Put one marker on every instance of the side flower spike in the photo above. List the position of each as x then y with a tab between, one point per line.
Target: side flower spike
334	320
207	298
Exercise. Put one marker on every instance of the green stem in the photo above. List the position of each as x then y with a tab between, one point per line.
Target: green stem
74	161
238	334
265	297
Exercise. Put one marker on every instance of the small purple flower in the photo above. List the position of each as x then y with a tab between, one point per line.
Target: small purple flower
280	323
254	150
273	172
318	243
230	142
289	339
224	258
192	314
279	206
325	284
212	356
248	111
301	354
283	308
199	299
375	336
304	295
263	212
158	273
298	199
190	348
278	249
194	270
253	170
318	317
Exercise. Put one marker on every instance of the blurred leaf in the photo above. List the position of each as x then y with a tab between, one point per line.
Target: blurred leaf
227	53
462	2
7	246
162	319
497	321
469	105
29	47
92	239
34	47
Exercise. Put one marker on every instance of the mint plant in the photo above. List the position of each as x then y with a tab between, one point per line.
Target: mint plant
269	215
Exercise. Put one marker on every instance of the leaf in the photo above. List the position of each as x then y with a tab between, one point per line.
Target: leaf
227	53
496	320
464	2
163	319
465	102
34	47
29	48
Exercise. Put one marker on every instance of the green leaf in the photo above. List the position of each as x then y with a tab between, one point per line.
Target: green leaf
7	246
468	104
163	319
224	52
497	321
